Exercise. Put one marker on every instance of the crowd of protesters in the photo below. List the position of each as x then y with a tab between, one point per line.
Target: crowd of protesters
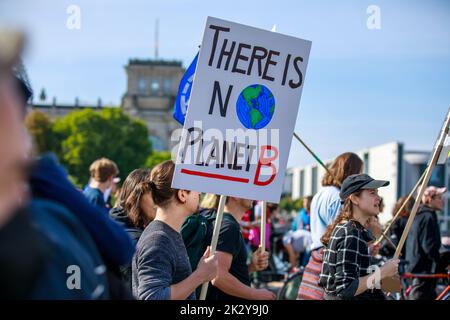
103	244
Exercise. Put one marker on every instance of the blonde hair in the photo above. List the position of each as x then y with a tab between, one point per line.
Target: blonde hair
210	201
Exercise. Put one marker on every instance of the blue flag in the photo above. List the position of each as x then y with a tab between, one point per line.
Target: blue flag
184	92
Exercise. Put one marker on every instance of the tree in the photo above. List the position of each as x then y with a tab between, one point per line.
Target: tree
40	127
42	95
298	204
157	157
289	205
87	135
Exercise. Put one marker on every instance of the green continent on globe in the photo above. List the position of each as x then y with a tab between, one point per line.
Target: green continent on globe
251	93
255	116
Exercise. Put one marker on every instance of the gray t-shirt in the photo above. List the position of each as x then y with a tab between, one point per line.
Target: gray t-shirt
299	239
160	261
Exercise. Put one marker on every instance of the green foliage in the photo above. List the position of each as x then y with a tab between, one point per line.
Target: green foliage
156	157
87	135
286	203
298	204
40	127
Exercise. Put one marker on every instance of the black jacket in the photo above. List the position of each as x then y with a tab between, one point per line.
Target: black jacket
119	215
423	242
395	235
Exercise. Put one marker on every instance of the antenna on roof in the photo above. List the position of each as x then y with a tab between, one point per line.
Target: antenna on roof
156	39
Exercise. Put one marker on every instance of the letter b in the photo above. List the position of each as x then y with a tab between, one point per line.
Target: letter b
266	162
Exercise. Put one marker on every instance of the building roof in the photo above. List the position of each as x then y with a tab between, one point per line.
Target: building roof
417	157
152	62
66	106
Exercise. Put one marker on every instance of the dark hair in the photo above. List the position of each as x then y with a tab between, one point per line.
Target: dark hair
161	181
134	187
23	88
406	210
345	214
343	166
309	198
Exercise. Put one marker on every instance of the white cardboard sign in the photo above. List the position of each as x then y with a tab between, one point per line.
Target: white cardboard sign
242	110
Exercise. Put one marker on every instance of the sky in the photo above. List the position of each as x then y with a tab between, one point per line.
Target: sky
363	87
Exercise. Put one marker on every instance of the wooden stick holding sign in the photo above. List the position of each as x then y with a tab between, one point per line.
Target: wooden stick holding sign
215	238
399	211
263	226
393	285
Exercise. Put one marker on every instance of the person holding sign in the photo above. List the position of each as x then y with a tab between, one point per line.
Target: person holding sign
233	276
325	207
423	244
346	266
161	268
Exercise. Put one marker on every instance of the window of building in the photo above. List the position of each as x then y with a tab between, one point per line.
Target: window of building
366	162
437	176
142	85
314	181
155	86
302	183
287	186
167	85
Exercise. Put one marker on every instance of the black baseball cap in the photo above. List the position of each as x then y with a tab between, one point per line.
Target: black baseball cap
357	182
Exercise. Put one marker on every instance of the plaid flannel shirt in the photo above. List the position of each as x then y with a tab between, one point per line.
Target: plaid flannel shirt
345	260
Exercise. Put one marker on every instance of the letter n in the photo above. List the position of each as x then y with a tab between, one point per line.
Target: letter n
217	94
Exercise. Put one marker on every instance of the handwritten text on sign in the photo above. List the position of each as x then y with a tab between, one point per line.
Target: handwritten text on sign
242	112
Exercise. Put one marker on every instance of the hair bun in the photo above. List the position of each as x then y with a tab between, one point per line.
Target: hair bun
152	185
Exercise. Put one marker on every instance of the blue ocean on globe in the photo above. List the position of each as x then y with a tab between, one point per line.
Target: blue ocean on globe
255	106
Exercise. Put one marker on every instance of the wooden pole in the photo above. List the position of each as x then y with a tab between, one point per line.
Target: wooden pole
397	214
393	284
215	238
263	226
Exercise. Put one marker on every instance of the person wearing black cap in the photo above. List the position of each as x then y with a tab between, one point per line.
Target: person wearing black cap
346	266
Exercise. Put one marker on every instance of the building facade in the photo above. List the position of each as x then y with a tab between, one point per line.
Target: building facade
387	162
152	86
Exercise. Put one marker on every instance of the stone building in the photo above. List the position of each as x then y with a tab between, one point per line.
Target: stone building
152	87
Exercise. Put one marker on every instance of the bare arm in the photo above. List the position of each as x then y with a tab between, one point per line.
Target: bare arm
227	282
389	269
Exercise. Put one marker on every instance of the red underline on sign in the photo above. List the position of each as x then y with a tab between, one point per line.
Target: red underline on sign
214	176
